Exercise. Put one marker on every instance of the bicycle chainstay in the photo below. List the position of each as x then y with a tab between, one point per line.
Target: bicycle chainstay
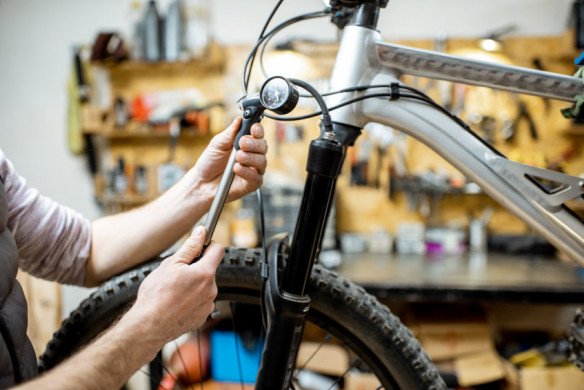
577	340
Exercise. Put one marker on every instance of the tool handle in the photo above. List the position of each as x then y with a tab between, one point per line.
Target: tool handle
252	113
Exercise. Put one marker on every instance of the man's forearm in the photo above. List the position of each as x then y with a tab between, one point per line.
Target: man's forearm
107	363
177	297
123	240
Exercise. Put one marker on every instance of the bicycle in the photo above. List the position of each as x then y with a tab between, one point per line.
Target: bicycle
283	277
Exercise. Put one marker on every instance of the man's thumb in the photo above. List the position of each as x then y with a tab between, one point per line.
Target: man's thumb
224	140
192	246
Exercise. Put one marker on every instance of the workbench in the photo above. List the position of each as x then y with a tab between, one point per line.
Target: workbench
470	277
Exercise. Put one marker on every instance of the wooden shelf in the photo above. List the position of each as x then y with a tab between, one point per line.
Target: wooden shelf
213	60
139	130
141	144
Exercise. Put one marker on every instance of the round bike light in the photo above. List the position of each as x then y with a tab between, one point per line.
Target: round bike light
279	95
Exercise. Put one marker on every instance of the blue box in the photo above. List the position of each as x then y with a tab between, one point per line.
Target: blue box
225	362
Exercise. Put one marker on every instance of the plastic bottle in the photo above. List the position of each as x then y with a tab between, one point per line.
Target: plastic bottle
120	183
152	27
141	180
135	19
174	31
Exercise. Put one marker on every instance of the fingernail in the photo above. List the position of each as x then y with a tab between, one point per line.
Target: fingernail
199	231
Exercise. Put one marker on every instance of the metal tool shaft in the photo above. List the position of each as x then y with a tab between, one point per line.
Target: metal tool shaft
220	198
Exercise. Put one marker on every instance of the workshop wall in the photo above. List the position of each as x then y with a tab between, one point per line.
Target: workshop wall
37	37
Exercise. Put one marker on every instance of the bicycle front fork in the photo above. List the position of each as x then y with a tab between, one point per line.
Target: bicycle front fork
284	296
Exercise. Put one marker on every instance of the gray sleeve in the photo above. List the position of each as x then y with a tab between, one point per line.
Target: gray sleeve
53	241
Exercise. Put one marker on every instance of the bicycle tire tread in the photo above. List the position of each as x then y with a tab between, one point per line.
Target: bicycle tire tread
71	326
323	282
381	316
365	304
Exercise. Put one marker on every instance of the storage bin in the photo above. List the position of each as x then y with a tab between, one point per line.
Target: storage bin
225	361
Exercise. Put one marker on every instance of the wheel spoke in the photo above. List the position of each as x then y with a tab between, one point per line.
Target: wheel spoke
200	359
344	373
183	362
326	340
151	377
231	308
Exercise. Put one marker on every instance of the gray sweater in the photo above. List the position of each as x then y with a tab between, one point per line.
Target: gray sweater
44	239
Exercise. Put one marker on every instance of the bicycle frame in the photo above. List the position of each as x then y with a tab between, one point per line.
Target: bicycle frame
364	59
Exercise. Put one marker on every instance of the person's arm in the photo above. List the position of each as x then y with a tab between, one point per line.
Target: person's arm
123	240
175	298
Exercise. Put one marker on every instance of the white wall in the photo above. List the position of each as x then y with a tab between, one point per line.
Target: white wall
36	37
404	19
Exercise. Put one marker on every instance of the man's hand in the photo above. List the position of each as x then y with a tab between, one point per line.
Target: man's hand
178	296
123	240
249	168
175	298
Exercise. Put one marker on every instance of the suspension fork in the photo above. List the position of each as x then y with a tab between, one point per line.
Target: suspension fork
285	298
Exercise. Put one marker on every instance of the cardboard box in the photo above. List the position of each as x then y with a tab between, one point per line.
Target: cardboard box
448	333
449	340
551	378
511	376
479	368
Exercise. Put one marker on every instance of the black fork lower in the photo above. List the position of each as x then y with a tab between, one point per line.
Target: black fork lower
284	297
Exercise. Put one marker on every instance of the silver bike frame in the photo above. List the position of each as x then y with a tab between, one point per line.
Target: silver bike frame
364	59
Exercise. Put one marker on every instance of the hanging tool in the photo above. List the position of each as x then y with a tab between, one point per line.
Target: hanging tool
578	14
487	126
173	133
83	90
383	138
509	129
169	172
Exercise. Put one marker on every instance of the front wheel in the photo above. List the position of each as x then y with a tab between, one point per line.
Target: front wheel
375	339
